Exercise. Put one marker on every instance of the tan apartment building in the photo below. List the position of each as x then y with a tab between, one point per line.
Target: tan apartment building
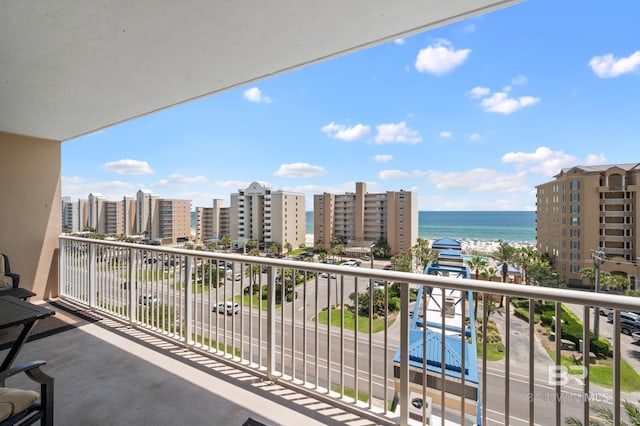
264	215
363	218
212	222
586	209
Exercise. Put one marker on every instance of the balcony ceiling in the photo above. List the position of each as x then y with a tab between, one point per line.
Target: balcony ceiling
69	68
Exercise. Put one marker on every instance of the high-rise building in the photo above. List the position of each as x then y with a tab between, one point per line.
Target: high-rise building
173	224
360	219
264	215
70	218
588	213
145	212
212	222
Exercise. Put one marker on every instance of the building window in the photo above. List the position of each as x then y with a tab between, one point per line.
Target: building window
575	208
575	185
575	221
575	269
575	197
575	233
575	245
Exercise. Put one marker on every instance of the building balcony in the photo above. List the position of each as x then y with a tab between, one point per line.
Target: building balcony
174	361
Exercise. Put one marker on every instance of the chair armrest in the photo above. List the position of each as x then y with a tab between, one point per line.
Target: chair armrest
15	278
26	367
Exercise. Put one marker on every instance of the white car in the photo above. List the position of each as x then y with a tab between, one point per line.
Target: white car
325	275
636	336
235	277
231	308
148	299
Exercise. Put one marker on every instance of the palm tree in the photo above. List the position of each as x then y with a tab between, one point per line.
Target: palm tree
422	251
254	270
604	416
525	257
505	253
476	264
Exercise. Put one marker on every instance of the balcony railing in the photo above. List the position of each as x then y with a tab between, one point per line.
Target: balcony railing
295	321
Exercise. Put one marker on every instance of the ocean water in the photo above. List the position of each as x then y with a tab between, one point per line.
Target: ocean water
508	226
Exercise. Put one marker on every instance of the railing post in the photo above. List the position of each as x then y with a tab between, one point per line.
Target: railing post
62	266
188	306
132	286
271	324
92	275
404	354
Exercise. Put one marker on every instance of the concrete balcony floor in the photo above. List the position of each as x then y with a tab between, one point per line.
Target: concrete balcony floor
107	373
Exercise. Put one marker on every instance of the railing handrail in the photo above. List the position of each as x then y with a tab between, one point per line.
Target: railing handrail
576	296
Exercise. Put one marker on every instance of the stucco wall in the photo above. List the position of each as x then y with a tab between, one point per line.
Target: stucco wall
30	217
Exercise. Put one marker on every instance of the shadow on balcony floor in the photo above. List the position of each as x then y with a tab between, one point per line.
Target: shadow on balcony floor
109	374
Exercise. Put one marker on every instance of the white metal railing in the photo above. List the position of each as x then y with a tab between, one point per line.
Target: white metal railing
276	330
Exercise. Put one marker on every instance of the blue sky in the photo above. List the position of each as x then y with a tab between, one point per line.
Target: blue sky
470	116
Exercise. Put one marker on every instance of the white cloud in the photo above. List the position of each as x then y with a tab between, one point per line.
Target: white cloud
479	180
596	159
399	41
299	170
440	58
347	134
473	137
78	188
396	133
521	79
255	95
178	179
398	174
543	161
445	134
128	167
383	158
479	92
501	102
469	29
608	66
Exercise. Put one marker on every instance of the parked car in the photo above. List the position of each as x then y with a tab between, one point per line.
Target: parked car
378	284
236	277
605	312
629	322
325	275
148	299
636	336
229	307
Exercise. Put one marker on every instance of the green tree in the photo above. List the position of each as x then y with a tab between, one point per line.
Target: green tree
525	257
423	253
225	242
253	271
505	253
476	264
604	416
288	246
275	248
402	261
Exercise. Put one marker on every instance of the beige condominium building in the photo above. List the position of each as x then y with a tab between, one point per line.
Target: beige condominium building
212	223
264	215
589	213
167	221
361	219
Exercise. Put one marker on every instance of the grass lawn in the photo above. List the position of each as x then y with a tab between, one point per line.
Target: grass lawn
495	351
601	374
350	393
349	320
255	302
